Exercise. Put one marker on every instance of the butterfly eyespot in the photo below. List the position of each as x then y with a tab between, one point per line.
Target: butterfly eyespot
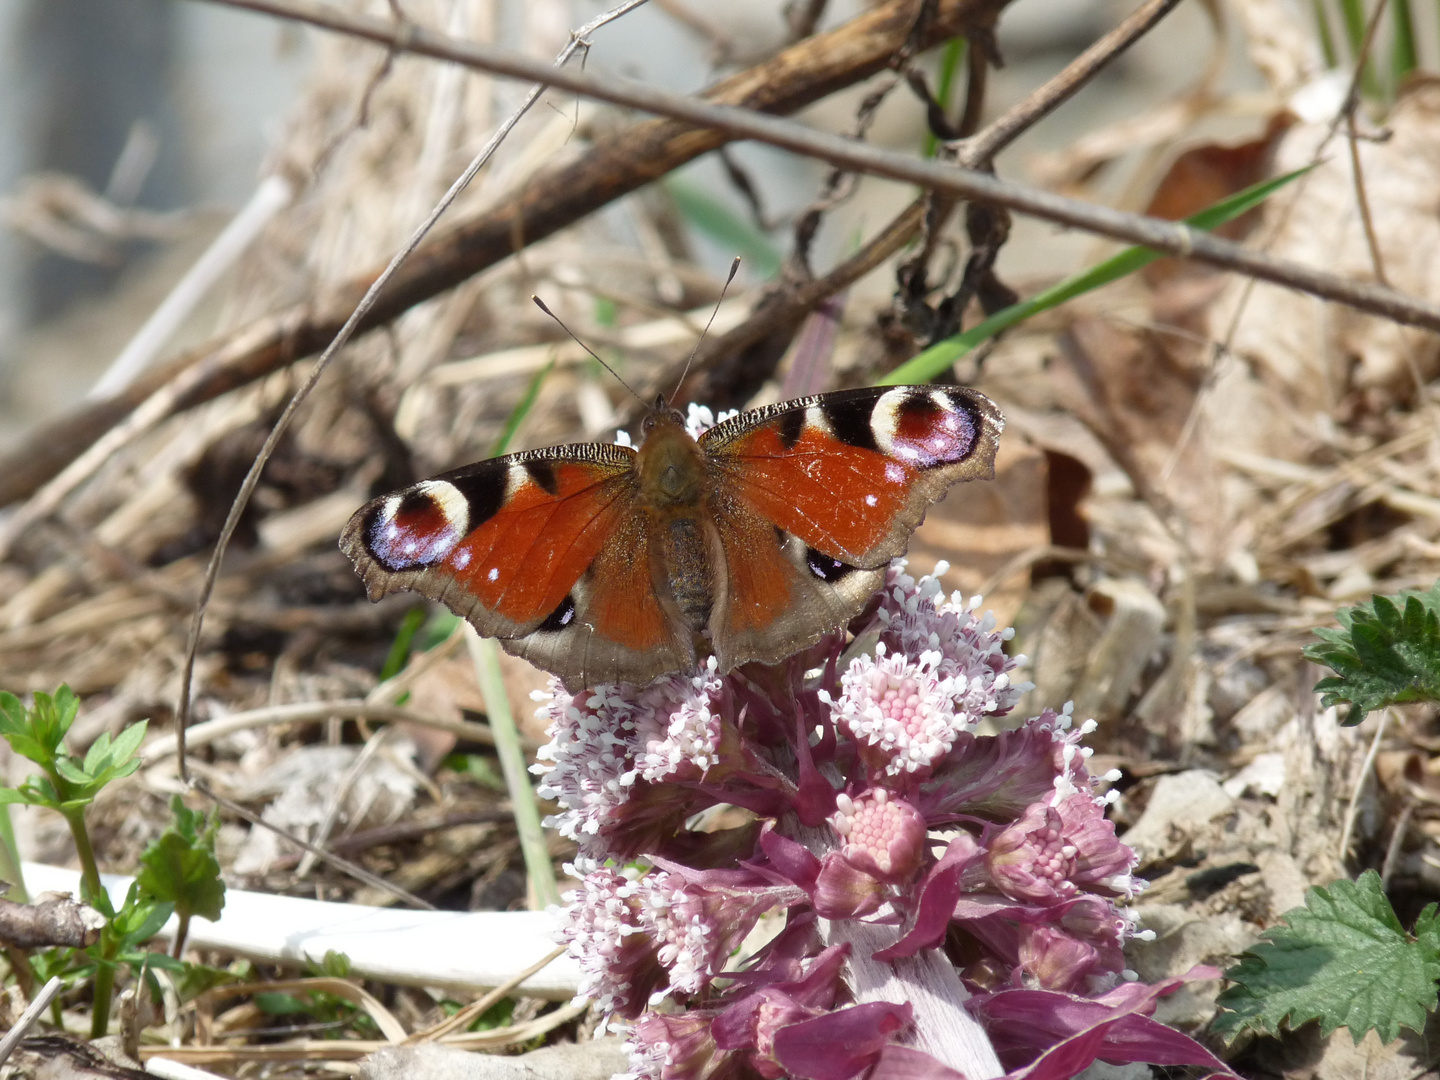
825	568
560	618
418	527
924	429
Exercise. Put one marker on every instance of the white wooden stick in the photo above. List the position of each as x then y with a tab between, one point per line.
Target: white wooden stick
469	951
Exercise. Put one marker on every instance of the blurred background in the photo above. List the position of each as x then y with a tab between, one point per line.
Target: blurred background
132	130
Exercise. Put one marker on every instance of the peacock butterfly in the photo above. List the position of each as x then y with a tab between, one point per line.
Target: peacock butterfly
605	563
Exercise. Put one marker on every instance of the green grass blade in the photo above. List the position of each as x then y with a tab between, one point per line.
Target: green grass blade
1327	39
518	414
1354	16
404	642
942	354
485	655
728	229
1404	54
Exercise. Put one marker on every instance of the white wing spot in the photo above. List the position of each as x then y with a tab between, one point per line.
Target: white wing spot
493	574
871	500
462	559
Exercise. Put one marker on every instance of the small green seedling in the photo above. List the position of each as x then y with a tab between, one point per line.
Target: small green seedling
178	873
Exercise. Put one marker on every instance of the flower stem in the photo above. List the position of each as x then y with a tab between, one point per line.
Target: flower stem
944	1027
92	891
486	657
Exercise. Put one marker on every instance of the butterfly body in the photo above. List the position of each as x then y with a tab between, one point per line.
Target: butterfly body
606	563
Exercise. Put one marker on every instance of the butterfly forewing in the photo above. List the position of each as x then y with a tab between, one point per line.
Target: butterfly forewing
852	473
503	541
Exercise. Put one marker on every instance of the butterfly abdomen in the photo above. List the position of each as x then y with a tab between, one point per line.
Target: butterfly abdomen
687	568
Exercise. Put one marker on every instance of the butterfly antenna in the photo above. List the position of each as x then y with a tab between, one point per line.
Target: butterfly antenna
541	305
734	269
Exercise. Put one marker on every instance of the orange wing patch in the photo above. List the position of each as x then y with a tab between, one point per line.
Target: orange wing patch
523	560
619	598
759	575
841	500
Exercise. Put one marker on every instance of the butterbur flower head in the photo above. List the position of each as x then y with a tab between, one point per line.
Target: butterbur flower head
900	711
670	1046
679	726
603	741
1032	860
1051	959
880	834
915	617
605	926
697	929
1101	862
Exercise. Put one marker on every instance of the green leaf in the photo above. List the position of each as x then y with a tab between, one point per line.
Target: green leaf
195	979
180	866
274	1004
140	918
12	713
9	796
943	354
66	706
1343	959
122	751
73	773
334	965
30	748
98	754
138	958
1386	652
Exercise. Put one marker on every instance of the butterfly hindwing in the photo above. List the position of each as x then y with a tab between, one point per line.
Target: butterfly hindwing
779	594
611	626
817	495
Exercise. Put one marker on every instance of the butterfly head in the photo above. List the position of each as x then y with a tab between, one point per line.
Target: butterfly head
661	414
671	463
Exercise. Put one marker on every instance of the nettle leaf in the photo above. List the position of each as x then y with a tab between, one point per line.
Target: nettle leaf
1386	652
1343	959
